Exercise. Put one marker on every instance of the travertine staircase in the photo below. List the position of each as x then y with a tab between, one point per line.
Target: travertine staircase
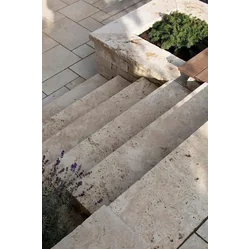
114	133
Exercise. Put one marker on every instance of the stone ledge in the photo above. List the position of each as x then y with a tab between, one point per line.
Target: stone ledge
119	43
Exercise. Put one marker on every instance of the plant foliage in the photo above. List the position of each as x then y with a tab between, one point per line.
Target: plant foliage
59	216
178	30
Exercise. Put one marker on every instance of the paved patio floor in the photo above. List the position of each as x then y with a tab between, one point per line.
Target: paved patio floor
68	55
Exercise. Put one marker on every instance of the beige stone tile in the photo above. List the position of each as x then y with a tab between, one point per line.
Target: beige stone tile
90	24
54	5
113	18
69	1
203	230
68	33
78	11
54	17
86	67
91	43
75	82
84	50
48	43
113	7
55	95
58	81
102	229
100	16
194	242
56	60
46	23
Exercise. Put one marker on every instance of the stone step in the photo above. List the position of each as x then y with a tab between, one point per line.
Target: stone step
117	172
89	123
83	106
73	95
110	137
102	230
166	205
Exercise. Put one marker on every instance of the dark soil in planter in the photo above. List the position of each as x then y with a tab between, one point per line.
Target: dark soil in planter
184	53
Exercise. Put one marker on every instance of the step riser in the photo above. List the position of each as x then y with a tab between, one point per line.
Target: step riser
86	125
73	95
110	137
83	106
116	173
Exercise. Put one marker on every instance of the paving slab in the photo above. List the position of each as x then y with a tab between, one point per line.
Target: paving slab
75	83
84	50
67	33
194	242
90	24
47	100
79	10
57	59
48	43
58	81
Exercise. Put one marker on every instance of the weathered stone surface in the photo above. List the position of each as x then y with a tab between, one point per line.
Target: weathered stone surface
89	123
102	230
111	136
143	58
72	96
81	107
117	172
169	201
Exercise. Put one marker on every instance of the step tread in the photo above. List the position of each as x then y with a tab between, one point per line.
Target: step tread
71	96
170	199
117	172
83	106
111	136
86	125
102	230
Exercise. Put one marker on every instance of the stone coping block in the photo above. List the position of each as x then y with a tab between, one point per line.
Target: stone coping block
139	57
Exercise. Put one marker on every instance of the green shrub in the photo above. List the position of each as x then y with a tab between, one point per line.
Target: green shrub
178	30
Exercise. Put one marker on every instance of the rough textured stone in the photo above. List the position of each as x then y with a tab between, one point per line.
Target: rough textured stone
142	57
81	107
114	134
167	204
89	123
73	95
112	176
102	230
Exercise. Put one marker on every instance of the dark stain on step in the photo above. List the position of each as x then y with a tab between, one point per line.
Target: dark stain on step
78	184
180	236
62	170
99	201
82	194
89	187
188	155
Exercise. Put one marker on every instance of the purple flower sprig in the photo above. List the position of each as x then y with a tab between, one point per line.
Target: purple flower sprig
73	167
62	153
